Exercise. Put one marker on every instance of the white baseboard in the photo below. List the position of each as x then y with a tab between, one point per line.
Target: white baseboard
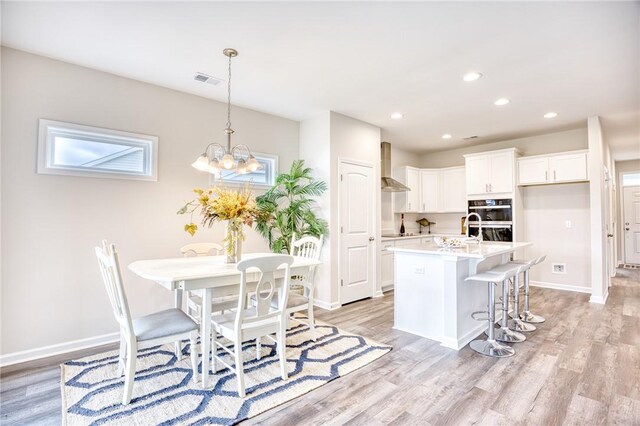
598	299
388	288
565	287
378	293
326	305
460	343
59	348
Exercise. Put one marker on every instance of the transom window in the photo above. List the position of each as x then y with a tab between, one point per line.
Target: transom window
262	178
631	179
73	149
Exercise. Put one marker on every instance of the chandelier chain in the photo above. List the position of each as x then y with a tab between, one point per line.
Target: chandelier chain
229	96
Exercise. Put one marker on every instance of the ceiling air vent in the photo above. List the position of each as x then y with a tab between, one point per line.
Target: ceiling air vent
204	78
470	137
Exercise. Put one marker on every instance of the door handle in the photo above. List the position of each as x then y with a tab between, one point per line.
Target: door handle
546	176
554	175
626	229
610	235
371	239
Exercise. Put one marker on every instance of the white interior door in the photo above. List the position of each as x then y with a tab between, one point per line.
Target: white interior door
357	231
631	224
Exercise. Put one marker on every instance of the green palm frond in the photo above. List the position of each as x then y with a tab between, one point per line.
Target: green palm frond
288	208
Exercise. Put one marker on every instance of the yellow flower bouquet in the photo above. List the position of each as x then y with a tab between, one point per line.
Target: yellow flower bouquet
236	207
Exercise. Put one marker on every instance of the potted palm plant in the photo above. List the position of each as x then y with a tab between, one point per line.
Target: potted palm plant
288	208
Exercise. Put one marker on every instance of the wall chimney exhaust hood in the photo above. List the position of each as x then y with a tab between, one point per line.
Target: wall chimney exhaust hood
389	184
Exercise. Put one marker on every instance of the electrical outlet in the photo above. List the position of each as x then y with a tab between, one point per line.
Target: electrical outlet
559	268
567	224
419	270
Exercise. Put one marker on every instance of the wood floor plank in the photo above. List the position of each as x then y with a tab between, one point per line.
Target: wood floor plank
581	367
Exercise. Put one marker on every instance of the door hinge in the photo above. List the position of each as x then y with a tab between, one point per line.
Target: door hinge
340	178
341	230
341	283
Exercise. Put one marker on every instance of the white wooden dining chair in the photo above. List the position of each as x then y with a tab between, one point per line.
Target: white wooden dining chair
194	301
309	247
171	325
261	319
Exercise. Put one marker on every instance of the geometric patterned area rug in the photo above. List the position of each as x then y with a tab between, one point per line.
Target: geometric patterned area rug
164	393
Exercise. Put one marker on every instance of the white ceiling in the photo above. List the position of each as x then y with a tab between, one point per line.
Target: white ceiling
369	59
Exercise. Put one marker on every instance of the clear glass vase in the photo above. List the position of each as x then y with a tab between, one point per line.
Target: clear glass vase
233	241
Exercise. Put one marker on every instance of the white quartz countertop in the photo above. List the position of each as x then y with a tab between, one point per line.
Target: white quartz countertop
482	250
408	237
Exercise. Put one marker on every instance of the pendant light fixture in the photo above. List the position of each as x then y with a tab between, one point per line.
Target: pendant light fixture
216	157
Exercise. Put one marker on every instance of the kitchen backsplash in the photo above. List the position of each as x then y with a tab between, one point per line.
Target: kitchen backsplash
446	223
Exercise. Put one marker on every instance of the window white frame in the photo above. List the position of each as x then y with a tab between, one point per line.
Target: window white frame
271	171
50	129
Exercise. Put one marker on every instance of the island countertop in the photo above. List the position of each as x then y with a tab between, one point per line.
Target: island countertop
480	250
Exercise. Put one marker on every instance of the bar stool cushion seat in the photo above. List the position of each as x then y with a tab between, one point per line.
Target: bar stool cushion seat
510	266
494	277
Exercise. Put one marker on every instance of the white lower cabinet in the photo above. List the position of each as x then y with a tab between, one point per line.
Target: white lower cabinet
387	266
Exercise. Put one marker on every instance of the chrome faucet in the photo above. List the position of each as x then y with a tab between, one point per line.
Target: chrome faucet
466	222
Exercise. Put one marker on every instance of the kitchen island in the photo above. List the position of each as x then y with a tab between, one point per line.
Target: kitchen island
432	298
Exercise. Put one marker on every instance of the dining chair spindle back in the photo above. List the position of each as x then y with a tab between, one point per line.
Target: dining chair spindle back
262	319
171	325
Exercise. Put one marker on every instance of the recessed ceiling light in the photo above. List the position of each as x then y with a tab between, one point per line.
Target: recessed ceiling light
472	76
397	115
502	102
551	115
446	136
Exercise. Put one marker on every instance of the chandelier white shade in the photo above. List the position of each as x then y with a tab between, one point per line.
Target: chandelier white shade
216	157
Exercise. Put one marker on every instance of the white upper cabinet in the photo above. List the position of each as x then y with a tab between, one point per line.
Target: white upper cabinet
557	168
477	175
432	190
533	170
430	186
501	172
409	201
490	172
568	167
453	194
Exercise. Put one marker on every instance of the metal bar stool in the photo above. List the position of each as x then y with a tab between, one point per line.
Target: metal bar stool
492	347
526	315
515	324
504	333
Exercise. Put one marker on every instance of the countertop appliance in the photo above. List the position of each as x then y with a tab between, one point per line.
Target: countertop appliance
497	219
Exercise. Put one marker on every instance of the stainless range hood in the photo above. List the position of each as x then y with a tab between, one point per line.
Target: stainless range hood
389	184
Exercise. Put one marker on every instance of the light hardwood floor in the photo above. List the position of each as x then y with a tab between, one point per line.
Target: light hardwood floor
580	367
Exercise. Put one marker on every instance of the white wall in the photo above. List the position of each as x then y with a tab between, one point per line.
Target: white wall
546	210
542	144
622	167
324	140
52	291
315	144
597	156
352	139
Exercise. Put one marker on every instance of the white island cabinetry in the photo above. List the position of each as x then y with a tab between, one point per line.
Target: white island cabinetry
432	298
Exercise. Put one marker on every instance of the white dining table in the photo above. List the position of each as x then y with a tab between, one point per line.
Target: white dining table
210	276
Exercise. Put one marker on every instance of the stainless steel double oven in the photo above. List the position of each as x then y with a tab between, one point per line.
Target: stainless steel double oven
497	219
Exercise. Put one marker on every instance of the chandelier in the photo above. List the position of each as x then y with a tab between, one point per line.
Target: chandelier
216	157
